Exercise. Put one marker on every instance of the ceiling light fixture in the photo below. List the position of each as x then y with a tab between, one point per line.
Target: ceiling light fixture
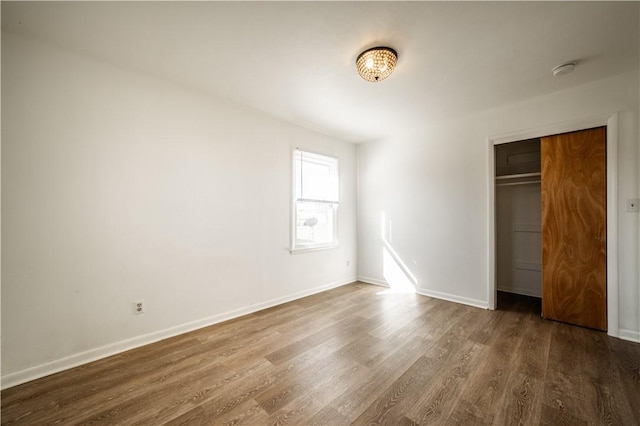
564	69
377	63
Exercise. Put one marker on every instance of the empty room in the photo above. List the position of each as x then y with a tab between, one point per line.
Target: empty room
320	213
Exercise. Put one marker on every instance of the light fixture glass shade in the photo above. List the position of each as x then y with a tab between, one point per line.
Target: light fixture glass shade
377	63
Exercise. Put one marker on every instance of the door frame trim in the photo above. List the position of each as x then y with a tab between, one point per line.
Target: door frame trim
609	120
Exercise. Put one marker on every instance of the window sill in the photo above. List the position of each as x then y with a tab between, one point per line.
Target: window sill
301	250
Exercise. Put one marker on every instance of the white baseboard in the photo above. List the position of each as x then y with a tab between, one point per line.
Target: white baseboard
630	335
432	293
374	281
483	304
36	372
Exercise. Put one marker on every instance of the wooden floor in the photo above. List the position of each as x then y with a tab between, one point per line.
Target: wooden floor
354	355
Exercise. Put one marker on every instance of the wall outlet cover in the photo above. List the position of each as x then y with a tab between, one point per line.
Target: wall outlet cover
138	307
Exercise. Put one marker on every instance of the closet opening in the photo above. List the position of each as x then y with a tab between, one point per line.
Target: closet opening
577	219
518	224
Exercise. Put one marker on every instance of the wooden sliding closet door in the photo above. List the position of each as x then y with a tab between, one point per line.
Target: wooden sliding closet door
574	239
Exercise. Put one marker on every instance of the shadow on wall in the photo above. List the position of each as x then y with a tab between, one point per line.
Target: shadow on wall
396	273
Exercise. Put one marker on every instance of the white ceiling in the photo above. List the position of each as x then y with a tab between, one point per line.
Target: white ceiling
296	60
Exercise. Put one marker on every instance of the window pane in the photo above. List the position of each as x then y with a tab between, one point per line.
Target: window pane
315	223
317	177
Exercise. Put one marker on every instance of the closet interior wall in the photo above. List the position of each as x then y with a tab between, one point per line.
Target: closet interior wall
518	218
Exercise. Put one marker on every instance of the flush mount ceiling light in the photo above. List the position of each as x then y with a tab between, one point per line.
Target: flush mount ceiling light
377	63
564	69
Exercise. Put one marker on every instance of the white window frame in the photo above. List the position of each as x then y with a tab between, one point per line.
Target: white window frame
301	248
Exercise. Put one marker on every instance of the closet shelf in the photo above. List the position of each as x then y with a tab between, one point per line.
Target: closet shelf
519	179
518	183
518	176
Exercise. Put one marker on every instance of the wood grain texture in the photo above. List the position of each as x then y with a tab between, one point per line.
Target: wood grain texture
574	239
353	356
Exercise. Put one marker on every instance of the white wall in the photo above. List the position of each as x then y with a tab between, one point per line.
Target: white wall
117	186
432	187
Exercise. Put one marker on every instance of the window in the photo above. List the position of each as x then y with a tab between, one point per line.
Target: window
315	201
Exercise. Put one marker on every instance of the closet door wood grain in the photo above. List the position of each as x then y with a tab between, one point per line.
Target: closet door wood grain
574	240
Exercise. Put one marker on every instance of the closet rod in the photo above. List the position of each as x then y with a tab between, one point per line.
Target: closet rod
517	183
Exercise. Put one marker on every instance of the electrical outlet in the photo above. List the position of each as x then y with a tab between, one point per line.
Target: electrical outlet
633	204
138	307
347	265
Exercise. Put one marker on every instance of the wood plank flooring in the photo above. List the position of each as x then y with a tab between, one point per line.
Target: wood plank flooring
353	356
